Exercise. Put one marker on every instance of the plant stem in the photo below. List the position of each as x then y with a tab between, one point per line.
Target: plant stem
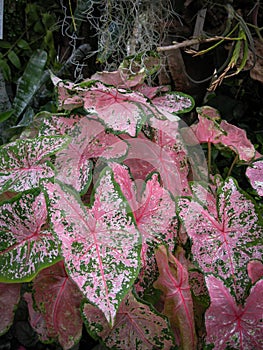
232	165
209	155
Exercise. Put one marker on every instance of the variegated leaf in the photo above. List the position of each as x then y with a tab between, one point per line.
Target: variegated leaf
174	102
26	244
224	244
232	326
58	125
89	140
118	109
154	212
56	312
100	246
178	303
138	326
23	163
9	298
255	176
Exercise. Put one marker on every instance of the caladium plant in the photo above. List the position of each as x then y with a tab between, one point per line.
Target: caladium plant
107	219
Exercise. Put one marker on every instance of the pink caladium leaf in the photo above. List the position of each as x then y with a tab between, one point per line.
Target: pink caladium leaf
154	212
138	326
255	270
101	246
174	102
118	109
9	298
255	176
26	245
24	162
223	244
58	125
89	140
178	303
172	156
121	78
232	326
165	154
210	128
56	312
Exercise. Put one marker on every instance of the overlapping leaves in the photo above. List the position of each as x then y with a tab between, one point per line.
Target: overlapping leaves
138	326
23	163
223	244
101	245
26	242
56	311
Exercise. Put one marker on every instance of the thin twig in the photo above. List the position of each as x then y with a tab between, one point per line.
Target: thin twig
192	42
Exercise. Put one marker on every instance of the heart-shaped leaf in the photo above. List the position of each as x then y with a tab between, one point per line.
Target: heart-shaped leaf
232	326
255	176
224	244
118	109
9	298
100	246
138	326
210	128
56	312
154	212
178	304
26	244
89	140
24	162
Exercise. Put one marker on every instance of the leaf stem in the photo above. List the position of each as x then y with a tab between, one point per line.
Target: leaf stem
209	156
232	165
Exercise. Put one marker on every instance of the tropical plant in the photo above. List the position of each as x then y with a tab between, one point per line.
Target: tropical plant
111	217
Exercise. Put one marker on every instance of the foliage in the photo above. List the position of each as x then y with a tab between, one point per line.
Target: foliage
109	215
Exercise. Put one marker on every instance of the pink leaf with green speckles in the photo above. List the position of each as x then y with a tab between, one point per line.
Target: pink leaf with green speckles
58	125
9	298
178	303
101	245
138	327
232	326
23	163
224	243
89	140
174	102
56	312
119	110
154	213
255	176
26	243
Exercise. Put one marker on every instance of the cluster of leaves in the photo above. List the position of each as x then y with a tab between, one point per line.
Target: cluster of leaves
105	211
38	25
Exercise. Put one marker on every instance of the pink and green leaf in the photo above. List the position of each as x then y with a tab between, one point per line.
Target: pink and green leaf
56	312
118	109
24	162
178	304
211	129
223	244
138	326
174	102
9	298
154	212
255	176
101	245
229	325
26	245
